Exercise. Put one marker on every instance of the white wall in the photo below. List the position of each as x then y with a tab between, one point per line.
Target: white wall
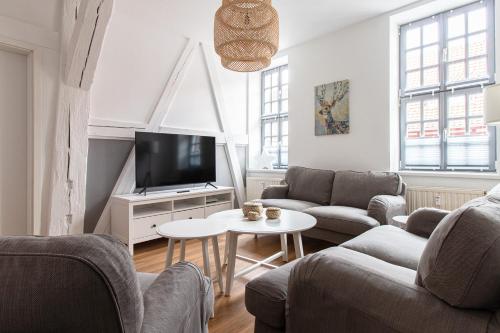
360	53
26	24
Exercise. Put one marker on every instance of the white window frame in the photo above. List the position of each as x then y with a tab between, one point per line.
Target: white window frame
280	117
443	90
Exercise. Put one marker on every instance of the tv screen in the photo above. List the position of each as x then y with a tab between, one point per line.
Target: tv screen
173	159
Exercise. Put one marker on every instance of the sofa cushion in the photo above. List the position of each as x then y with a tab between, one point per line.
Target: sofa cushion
461	262
265	296
355	189
297	205
310	184
345	220
390	244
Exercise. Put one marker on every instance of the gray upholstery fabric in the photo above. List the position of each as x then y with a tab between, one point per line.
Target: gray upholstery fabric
390	244
180	300
384	207
275	192
423	221
340	290
265	296
327	235
346	220
68	284
312	185
261	327
87	283
494	193
356	189
297	205
461	262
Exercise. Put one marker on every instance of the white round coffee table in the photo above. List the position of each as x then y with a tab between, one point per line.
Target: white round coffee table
290	222
201	229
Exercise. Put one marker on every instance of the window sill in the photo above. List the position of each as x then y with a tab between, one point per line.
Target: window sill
444	174
277	171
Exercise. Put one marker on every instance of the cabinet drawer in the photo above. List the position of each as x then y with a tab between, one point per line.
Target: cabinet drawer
146	226
197	213
217	208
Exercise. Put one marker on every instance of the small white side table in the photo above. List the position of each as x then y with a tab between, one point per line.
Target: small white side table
195	229
400	221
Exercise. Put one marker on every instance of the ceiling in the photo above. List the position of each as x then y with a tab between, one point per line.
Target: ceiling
302	20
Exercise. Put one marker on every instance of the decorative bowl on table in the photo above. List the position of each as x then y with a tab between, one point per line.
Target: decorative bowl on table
273	213
253	216
252	207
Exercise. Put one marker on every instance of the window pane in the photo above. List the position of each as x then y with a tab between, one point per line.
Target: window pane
431	129
477	20
478	68
477	127
267	95
284	106
431	55
284	141
274	94
456	106
413	59
275	128
413	38
267	109
456	26
275	107
284	76
413	80
423	152
284	157
267	142
456	72
431	33
413	111
275	78
431	76
267	80
468	151
284	91
456	49
274	141
431	109
477	45
267	129
413	131
456	127
476	105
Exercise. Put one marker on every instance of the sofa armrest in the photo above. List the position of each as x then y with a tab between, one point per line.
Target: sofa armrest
181	299
384	207
340	290
423	221
275	192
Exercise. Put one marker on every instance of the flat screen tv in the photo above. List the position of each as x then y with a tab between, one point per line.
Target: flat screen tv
173	159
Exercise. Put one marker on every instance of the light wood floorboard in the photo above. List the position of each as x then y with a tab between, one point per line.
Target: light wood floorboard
230	312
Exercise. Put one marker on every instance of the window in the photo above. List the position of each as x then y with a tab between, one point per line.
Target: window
274	114
446	60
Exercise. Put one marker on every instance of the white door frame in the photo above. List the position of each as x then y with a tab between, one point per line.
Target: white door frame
34	139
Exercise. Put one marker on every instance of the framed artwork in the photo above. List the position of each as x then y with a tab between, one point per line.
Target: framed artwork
331	109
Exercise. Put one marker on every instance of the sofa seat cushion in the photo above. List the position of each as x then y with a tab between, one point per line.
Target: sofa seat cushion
310	184
461	261
297	205
345	220
390	244
265	296
356	189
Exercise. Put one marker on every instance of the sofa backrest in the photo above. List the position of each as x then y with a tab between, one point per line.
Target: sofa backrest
68	284
356	189
311	185
461	261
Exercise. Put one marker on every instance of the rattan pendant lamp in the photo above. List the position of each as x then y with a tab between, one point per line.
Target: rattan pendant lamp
246	34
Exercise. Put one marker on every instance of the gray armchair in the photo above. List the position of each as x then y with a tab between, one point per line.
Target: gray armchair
88	284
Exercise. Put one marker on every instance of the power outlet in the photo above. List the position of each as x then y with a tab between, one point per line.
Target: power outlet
437	201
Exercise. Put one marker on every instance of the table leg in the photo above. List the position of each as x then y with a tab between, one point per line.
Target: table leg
284	247
297	242
183	250
233	245
206	258
226	247
218	268
170	252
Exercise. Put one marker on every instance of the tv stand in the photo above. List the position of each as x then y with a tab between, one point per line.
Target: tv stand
210	184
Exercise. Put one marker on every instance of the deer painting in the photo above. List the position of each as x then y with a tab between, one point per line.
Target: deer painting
332	108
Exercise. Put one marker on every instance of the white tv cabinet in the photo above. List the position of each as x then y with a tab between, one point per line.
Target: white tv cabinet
134	217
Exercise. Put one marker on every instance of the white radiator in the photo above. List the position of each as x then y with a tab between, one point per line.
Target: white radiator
439	197
255	186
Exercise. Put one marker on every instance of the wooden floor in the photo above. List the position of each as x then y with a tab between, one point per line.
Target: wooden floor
230	312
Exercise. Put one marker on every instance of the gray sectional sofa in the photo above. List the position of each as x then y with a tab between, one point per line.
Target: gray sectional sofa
440	275
345	203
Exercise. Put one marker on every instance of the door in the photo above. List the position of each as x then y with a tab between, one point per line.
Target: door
13	143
